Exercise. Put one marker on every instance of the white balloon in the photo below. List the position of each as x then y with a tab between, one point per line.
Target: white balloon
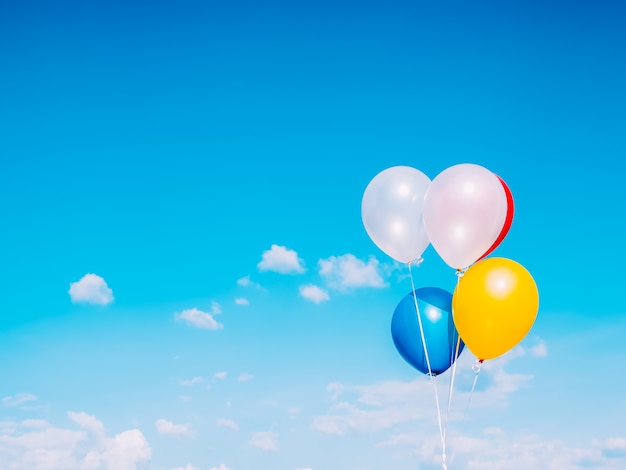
465	209
391	210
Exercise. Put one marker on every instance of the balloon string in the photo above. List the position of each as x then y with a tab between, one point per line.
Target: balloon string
419	319
444	464
430	373
459	274
456	355
476	368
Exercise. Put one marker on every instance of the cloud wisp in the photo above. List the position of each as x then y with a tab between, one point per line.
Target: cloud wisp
383	405
18	399
168	428
347	272
201	319
191	382
247	282
227	423
264	441
245	377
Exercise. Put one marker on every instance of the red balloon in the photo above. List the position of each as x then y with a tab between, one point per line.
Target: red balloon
507	222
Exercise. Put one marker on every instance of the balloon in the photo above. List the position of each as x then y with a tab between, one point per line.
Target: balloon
495	305
510	209
465	210
435	308
391	210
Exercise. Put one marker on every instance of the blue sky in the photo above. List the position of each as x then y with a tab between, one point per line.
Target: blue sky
176	174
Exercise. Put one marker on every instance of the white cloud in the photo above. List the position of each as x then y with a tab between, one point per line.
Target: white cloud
314	293
18	399
499	451
372	408
8	427
244	281
91	289
87	448
493	431
220	375
614	447
191	382
348	272
177	430
227	423
264	440
345	417
281	260
215	308
221	467
247	282
539	350
126	450
199	319
87	422
615	443
186	467
241	301
35	423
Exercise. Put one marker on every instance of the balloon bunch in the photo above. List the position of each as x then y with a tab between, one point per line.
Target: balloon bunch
465	212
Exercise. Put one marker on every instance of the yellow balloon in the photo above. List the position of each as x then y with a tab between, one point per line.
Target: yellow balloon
494	306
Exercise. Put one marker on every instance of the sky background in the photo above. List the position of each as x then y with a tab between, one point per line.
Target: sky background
174	174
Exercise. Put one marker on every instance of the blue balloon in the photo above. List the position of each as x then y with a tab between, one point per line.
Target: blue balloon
440	334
